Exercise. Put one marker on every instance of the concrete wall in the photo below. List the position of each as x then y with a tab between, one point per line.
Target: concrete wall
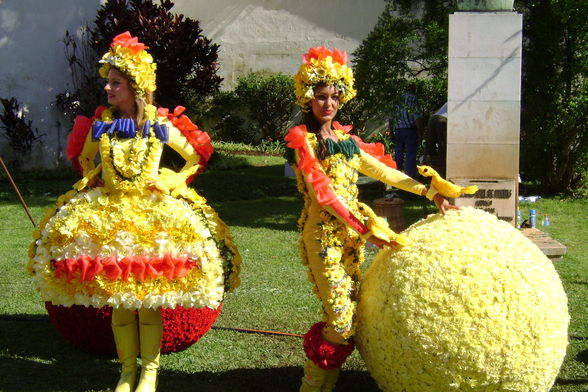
33	67
256	35
253	35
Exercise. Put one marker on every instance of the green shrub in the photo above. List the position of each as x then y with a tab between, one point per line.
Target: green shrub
258	110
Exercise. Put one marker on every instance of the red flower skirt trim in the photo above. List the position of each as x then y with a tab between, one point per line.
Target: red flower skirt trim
86	268
90	329
325	354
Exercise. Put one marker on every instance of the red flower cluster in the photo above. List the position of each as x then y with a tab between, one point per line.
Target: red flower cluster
321	52
197	138
325	354
126	40
89	328
86	268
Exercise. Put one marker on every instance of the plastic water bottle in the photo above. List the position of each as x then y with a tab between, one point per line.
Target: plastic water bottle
519	219
546	220
533	218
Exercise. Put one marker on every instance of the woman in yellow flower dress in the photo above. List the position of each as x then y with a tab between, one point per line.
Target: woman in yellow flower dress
131	235
334	224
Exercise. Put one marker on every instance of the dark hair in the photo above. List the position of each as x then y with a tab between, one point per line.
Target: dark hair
313	126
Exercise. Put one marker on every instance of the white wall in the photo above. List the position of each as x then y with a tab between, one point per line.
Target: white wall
256	35
253	35
33	67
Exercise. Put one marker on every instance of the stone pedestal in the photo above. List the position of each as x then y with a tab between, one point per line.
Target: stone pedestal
484	94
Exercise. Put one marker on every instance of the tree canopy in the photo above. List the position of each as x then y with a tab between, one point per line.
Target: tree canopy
409	44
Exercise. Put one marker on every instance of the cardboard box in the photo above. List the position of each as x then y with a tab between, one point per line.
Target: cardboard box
497	196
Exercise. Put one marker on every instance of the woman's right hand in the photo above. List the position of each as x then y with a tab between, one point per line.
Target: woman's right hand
380	243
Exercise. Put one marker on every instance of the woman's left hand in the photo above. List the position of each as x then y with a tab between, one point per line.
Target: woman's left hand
443	204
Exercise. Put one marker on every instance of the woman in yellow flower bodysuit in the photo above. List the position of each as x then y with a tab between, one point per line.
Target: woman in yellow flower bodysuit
129	235
333	223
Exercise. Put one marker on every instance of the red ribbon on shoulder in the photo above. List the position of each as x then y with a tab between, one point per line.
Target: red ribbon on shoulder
197	138
318	180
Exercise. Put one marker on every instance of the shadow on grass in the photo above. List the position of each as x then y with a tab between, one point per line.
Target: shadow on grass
258	380
581	381
582	356
33	357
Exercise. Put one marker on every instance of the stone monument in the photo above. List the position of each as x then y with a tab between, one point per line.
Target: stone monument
484	96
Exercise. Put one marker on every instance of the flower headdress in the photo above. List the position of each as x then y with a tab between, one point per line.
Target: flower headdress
129	56
321	65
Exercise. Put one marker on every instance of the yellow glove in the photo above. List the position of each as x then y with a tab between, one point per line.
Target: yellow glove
89	179
168	181
379	228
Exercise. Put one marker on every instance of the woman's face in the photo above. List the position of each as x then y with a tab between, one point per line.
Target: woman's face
325	103
119	90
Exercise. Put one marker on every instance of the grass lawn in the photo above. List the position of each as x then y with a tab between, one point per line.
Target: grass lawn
261	207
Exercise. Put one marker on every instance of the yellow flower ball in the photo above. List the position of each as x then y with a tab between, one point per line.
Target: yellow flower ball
471	305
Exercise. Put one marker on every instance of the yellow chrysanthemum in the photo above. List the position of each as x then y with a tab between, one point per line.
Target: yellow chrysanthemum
470	305
130	57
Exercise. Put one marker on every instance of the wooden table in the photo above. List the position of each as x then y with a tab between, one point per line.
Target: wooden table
550	247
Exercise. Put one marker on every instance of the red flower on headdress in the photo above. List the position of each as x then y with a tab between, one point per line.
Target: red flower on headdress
321	52
126	40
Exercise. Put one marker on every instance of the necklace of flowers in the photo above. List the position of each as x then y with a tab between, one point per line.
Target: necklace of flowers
113	158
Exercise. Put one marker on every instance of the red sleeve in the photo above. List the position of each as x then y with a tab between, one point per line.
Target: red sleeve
77	137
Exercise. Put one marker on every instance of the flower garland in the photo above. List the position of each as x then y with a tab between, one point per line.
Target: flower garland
129	164
321	65
129	56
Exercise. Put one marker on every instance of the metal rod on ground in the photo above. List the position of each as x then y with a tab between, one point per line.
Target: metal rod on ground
246	330
24	205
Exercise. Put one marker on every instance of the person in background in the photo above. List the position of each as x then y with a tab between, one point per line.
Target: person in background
436	141
407	125
334	225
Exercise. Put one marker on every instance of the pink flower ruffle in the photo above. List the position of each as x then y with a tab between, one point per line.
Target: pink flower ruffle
126	40
321	52
86	268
